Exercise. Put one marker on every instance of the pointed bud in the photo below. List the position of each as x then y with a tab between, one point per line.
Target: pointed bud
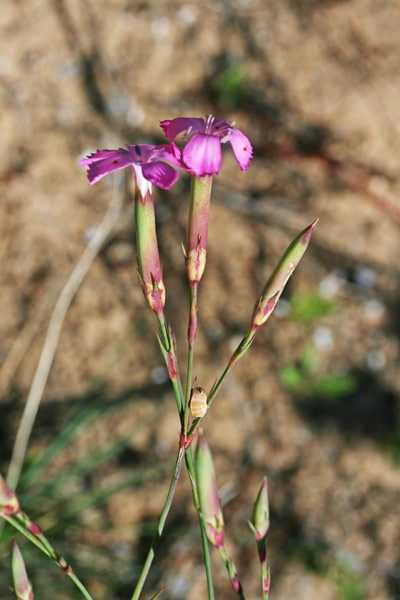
22	586
260	523
9	503
210	504
275	285
149	265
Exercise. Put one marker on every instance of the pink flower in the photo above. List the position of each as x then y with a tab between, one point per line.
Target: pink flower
148	164
202	154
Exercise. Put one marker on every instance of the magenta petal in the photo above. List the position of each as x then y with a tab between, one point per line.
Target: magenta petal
105	161
241	147
160	173
202	154
140	153
171	153
176	126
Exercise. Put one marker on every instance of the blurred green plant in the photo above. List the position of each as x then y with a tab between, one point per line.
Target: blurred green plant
303	379
349	585
230	86
317	558
308	307
391	443
51	495
313	555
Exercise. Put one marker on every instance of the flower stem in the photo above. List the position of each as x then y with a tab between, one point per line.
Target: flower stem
237	354
233	576
167	346
265	572
199	212
206	551
191	337
20	522
166	340
161	523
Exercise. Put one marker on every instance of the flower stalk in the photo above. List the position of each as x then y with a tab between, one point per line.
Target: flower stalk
196	252
264	307
161	523
211	509
21	521
149	265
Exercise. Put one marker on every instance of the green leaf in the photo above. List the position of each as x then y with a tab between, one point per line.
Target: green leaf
332	387
292	378
309	359
230	86
308	307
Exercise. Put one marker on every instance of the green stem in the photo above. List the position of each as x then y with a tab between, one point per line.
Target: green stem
233	576
206	551
265	581
238	353
162	323
190	468
265	572
21	528
18	521
160	527
167	346
191	337
80	586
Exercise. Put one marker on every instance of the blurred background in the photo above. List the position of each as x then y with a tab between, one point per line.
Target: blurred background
314	404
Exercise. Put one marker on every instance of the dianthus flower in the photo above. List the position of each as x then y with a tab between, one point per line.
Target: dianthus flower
148	164
202	154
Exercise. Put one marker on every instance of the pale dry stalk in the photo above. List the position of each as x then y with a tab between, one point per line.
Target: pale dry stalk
54	329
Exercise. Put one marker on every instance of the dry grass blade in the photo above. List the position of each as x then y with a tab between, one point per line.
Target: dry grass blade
53	332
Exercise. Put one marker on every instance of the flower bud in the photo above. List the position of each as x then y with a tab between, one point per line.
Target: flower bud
260	523
275	285
210	504
22	586
9	503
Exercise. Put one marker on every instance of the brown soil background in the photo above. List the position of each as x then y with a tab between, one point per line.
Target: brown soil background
319	100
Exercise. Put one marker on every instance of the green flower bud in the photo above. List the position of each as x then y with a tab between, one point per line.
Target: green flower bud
275	285
260	523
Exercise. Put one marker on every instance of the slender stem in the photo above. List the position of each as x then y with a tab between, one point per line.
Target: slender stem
61	307
164	332
233	576
206	551
190	467
207	560
265	572
167	346
237	354
191	337
161	523
80	586
21	528
19	522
